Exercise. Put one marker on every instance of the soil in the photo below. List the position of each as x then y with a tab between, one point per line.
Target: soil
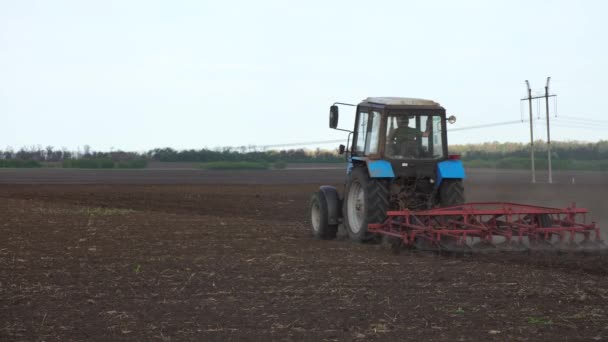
187	173
237	262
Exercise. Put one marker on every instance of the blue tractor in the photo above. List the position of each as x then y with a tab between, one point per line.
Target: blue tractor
397	159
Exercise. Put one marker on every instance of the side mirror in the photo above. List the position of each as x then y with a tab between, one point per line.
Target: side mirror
341	149
333	116
452	119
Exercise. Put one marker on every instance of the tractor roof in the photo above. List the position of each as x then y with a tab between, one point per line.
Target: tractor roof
401	101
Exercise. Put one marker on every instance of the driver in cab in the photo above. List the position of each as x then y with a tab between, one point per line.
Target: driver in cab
405	139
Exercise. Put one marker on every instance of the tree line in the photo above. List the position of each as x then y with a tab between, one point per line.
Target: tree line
570	150
566	150
168	154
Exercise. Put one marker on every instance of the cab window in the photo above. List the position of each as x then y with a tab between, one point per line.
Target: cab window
414	136
368	132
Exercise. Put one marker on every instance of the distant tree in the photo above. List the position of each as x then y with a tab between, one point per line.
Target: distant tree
87	151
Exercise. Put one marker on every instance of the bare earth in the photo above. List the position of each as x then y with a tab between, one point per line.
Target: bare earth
185	260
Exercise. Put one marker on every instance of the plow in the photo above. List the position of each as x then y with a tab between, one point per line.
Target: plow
491	227
403	186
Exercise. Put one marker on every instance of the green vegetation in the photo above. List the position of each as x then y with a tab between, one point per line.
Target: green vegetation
567	150
242	154
17	163
524	163
540	321
280	165
88	164
92	211
564	155
102	163
235	165
459	311
569	155
243	165
131	164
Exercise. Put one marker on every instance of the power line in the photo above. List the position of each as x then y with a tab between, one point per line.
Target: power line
495	124
575	118
302	143
578	123
561	122
322	142
570	125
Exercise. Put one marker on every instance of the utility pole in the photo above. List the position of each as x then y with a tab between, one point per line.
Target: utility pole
548	131
529	99
531	132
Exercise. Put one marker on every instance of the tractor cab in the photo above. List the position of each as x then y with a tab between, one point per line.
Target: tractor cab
397	159
408	133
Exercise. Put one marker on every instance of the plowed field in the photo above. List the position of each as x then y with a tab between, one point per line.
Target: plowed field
236	262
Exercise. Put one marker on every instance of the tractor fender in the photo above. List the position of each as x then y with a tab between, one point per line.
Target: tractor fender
450	169
375	168
334	205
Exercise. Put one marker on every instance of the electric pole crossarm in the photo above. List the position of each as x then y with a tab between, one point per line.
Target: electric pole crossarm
537	97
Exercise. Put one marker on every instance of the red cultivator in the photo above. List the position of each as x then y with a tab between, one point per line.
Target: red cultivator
491	226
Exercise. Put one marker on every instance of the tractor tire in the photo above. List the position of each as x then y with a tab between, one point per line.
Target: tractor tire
451	192
366	201
545	221
319	218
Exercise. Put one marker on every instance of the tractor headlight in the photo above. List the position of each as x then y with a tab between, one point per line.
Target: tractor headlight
452	119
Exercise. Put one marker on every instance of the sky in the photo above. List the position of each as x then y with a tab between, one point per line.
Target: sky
135	75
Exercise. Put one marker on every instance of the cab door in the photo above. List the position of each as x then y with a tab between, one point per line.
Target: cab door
366	140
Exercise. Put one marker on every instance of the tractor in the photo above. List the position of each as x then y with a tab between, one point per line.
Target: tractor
402	185
397	159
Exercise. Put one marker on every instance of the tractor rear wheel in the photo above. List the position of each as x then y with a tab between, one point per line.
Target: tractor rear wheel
319	218
451	193
365	201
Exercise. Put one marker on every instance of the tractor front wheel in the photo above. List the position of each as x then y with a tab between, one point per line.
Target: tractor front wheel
319	218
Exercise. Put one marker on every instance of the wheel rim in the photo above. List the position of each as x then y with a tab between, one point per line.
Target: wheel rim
315	216
356	207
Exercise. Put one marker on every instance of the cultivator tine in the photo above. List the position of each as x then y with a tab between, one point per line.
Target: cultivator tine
426	245
493	227
485	247
544	246
568	247
592	247
512	246
455	247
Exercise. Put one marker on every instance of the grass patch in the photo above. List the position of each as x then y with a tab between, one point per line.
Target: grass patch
91	211
131	164
280	165
18	163
88	164
104	164
539	321
237	165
